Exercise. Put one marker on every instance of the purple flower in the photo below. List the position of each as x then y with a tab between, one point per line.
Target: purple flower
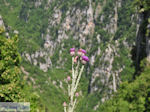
77	94
81	52
72	51
85	59
68	78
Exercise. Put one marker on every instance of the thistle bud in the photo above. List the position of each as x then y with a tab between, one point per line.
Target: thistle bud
77	94
68	78
64	104
85	59
76	59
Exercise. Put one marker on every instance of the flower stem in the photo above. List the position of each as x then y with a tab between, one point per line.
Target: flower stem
65	109
78	79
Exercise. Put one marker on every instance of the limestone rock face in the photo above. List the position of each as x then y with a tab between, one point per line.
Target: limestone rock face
105	29
99	28
40	58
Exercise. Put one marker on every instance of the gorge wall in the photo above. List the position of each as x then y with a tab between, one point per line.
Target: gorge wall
49	28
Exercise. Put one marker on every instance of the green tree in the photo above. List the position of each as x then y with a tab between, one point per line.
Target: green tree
13	87
144	5
10	84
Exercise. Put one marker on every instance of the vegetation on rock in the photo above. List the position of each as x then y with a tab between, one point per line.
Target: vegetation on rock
47	29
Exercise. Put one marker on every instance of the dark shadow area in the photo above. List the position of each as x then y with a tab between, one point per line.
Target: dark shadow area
138	52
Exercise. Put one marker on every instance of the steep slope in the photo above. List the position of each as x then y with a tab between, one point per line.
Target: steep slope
131	96
48	28
135	95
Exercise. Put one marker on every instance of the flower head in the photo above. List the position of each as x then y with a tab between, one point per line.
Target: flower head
72	51
85	59
68	78
64	104
77	94
81	52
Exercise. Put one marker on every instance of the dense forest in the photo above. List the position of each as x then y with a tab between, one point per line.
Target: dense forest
35	39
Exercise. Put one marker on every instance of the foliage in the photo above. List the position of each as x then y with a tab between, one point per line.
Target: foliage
131	97
51	96
10	85
32	24
144	5
33	98
13	87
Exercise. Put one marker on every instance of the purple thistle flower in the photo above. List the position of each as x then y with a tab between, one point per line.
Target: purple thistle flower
81	52
77	94
72	51
85	59
68	78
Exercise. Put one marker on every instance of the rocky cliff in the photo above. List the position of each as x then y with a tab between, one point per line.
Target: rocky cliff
106	29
